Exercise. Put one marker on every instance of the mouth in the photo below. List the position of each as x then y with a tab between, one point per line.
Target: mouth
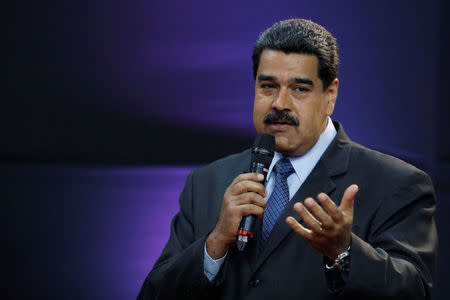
281	122
280	125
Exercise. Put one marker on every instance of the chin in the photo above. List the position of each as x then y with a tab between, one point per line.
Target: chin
286	151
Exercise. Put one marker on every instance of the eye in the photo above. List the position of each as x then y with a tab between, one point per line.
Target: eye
301	89
268	86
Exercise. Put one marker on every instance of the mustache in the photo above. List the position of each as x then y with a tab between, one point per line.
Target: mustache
281	116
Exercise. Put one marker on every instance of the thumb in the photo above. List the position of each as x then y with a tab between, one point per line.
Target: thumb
347	199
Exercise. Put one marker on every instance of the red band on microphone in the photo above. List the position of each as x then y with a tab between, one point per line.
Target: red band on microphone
243	232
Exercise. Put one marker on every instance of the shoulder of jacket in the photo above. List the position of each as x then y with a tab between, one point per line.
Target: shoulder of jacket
383	162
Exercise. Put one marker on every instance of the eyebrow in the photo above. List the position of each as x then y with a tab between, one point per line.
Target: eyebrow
307	81
304	81
263	77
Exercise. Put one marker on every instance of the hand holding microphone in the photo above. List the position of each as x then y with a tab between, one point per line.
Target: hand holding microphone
262	155
244	198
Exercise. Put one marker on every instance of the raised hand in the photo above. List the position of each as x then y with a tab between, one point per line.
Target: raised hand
328	231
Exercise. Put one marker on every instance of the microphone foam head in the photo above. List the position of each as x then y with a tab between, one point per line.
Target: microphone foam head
263	149
265	141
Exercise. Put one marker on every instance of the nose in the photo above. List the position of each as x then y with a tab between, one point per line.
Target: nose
282	100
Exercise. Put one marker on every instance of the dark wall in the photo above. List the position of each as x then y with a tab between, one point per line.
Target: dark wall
132	82
443	83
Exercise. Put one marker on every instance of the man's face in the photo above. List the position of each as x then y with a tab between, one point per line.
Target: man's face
289	83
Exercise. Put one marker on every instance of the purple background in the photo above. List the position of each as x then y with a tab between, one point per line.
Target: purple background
89	233
110	104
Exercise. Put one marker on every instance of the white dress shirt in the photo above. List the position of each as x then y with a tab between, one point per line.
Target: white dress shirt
303	165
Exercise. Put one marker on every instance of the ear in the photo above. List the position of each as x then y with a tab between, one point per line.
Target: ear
331	96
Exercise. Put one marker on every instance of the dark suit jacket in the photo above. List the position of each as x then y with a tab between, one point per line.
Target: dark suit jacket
393	244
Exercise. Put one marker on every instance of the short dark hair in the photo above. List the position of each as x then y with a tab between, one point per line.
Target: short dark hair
302	37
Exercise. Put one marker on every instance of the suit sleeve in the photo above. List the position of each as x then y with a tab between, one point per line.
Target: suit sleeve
398	257
179	273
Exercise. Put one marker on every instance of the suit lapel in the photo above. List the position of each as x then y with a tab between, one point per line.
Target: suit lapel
333	162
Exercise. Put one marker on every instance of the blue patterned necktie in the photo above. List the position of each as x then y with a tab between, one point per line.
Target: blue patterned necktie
278	200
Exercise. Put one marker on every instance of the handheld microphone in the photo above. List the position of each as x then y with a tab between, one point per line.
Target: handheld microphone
262	155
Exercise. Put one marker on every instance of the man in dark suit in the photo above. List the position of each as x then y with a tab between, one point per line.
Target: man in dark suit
336	219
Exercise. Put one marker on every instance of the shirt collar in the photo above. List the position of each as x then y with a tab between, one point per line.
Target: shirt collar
304	164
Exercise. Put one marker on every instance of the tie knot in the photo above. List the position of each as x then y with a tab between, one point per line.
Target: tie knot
284	167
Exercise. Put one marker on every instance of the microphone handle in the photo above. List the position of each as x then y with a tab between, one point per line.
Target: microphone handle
245	231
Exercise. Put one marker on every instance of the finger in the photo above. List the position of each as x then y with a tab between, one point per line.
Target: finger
333	211
248	186
248	176
348	199
251	198
249	209
312	223
318	212
298	228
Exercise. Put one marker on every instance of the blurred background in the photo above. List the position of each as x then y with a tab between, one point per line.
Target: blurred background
110	105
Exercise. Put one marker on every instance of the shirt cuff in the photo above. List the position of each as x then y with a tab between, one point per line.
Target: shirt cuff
211	266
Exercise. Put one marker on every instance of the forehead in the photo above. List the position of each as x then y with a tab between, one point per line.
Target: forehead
288	66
